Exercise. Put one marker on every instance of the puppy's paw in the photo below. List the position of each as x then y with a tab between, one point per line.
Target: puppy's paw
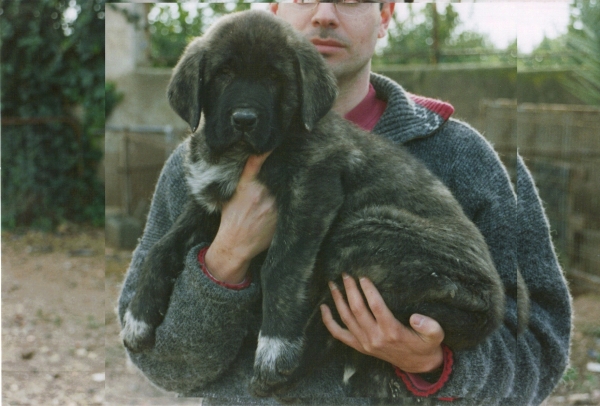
275	363
137	335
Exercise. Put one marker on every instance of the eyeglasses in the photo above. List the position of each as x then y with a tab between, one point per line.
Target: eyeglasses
347	8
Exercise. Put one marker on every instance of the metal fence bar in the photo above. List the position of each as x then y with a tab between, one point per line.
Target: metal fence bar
139	135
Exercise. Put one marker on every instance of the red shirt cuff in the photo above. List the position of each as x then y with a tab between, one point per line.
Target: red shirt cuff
234	286
419	386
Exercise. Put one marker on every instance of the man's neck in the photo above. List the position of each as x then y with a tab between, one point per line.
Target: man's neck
352	91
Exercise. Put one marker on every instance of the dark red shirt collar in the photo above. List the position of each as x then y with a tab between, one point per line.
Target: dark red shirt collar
368	111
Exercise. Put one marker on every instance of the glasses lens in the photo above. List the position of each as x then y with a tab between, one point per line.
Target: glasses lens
352	8
348	8
306	5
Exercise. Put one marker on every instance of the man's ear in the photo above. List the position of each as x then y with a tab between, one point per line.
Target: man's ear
387	12
317	85
185	91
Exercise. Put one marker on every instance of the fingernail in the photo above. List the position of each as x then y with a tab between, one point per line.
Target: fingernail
345	275
417	320
332	286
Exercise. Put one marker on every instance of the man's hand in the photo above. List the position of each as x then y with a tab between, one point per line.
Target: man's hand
378	333
247	226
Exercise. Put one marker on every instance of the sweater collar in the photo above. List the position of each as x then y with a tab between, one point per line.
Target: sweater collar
407	116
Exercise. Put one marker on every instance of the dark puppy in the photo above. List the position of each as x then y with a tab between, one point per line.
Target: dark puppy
347	201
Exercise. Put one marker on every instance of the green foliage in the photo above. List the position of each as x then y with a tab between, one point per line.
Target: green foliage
112	97
52	67
576	52
548	55
172	27
583	40
433	35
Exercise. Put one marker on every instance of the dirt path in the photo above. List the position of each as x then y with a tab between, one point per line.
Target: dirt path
52	321
57	311
124	385
60	336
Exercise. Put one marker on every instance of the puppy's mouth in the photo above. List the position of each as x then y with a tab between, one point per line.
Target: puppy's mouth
239	143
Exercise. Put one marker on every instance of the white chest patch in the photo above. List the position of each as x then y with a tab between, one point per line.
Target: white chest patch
224	176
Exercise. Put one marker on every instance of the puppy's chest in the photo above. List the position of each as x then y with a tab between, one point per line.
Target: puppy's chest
212	185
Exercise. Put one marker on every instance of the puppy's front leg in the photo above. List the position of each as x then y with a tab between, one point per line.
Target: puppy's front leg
287	277
158	274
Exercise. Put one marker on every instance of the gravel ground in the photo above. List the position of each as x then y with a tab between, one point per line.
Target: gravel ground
60	342
52	322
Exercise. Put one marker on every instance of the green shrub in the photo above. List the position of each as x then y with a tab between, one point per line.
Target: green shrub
53	84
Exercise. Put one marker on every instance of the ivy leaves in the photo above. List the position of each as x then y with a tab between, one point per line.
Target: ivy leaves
52	66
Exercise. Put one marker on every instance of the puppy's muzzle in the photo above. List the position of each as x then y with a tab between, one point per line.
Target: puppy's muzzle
244	120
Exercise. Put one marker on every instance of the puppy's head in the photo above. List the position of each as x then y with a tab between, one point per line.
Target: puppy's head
255	79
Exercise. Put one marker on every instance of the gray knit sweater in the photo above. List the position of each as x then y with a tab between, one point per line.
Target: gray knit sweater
205	346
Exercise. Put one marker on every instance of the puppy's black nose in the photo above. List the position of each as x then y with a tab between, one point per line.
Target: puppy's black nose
244	119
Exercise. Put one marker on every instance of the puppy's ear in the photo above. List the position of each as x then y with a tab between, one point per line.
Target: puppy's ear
185	91
317	85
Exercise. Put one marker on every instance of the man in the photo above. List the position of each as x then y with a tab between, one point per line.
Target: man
204	347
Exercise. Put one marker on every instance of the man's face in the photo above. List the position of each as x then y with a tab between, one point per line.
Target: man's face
344	34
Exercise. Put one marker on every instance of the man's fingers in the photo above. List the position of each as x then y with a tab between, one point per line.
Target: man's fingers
344	311
357	304
336	330
253	165
376	303
427	328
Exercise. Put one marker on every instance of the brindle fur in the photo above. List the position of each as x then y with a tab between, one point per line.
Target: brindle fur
347	201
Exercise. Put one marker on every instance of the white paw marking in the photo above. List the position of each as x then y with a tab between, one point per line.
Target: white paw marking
348	372
134	328
270	349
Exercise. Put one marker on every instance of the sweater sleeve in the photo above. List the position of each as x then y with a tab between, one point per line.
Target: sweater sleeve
544	348
505	369
206	324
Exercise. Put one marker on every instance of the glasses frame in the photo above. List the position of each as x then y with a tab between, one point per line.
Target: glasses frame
354	10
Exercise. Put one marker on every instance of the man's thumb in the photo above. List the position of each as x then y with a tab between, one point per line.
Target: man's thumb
253	165
427	327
